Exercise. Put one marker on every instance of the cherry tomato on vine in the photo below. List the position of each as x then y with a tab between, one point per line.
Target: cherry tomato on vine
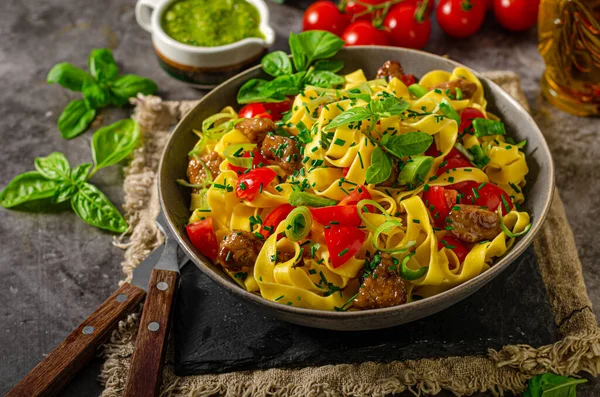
404	30
516	15
460	18
353	9
363	33
324	15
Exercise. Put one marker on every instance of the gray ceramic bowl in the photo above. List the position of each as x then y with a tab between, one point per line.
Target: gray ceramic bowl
520	125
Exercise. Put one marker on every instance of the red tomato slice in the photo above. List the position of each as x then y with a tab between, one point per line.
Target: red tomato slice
488	195
454	162
274	218
466	119
409	79
343	242
358	194
346	215
251	183
435	201
455	245
202	235
257	161
253	110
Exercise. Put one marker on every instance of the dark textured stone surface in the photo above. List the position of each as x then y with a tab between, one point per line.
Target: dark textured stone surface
215	332
56	270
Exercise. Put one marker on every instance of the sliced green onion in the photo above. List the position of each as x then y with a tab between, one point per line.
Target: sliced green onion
410	274
185	183
448	111
505	229
417	90
385	227
521	144
463	151
298	223
310	200
234	152
485	127
212	131
199	145
415	170
363	203
481	159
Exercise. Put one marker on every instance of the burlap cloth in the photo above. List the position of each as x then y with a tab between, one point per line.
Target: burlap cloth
498	372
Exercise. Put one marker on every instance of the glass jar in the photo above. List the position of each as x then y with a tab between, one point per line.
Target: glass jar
569	36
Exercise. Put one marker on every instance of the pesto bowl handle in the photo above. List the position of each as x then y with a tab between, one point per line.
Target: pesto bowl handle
143	13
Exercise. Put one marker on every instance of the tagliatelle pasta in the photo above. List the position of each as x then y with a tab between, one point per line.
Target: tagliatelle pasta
404	191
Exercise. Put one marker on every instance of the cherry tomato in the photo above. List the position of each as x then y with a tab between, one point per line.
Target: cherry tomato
435	201
454	245
489	5
257	161
202	235
276	108
453	162
516	15
363	33
466	119
403	28
409	79
352	9
324	15
345	171
345	215
343	242
251	183
274	218
356	195
453	153
484	195
460	18
253	110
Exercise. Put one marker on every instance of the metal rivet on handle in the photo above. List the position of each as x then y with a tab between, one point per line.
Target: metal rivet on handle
154	326
162	286
88	329
121	297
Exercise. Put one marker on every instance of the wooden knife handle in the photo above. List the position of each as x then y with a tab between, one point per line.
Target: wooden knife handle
57	369
145	371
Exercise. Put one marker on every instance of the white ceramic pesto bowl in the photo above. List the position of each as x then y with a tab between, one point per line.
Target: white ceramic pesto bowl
203	67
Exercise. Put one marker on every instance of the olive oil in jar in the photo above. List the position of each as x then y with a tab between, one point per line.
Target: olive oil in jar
569	35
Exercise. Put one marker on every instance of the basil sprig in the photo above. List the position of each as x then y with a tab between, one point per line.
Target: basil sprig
54	181
549	384
385	106
101	87
309	66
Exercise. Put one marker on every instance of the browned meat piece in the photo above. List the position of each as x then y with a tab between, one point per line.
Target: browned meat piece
197	174
283	151
472	224
389	70
393	176
468	88
255	129
383	288
239	249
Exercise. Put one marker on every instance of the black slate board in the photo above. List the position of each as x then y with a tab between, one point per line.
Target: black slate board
215	332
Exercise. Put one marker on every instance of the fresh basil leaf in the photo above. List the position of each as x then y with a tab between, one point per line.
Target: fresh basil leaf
283	86
324	79
113	143
349	116
93	207
27	187
53	166
313	45
81	172
68	76
96	95
409	144
65	191
256	90
75	119
551	385
129	85
102	65
277	64
389	106
331	65
381	167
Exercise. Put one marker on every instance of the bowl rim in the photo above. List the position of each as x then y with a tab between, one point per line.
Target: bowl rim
503	262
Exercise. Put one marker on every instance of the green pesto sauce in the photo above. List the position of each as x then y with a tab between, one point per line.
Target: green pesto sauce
210	23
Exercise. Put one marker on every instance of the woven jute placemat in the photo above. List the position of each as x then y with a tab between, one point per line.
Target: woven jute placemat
498	372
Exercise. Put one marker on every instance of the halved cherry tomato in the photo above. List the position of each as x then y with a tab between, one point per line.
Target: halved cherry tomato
274	218
453	153
404	30
277	108
466	119
345	215
359	193
409	79
460	18
253	110
454	245
488	195
343	242
363	33
324	15
453	162
202	235
435	201
252	182
257	161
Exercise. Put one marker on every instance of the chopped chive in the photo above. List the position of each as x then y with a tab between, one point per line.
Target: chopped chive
344	251
278	298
